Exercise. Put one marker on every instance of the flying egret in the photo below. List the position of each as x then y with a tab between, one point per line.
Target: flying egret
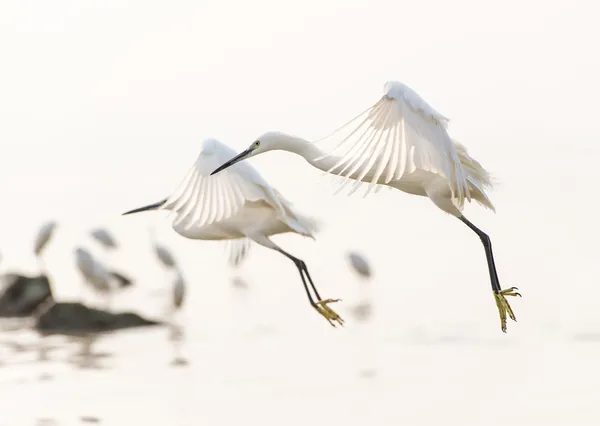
401	142
238	204
104	238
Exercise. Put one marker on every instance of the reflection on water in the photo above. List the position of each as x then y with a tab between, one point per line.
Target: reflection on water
177	337
186	375
84	356
20	346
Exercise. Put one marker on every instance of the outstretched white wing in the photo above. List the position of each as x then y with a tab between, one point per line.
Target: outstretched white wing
202	199
396	136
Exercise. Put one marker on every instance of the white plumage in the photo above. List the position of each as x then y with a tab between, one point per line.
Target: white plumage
201	199
397	136
400	142
236	205
238	251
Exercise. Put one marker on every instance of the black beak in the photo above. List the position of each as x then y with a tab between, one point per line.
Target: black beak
234	160
154	206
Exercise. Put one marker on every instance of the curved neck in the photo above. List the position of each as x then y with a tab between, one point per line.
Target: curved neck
309	151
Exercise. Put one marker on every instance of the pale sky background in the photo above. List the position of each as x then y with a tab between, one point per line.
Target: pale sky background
104	104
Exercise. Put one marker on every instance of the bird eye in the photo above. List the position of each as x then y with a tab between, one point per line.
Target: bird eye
256	144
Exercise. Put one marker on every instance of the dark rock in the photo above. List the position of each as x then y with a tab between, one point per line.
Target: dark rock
21	295
75	318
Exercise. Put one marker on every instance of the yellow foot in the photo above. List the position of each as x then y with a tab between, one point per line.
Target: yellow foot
503	306
329	314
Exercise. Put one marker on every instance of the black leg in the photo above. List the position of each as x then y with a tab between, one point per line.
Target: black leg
487	245
321	306
303	270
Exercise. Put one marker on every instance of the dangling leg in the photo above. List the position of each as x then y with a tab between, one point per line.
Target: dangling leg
321	305
499	294
439	192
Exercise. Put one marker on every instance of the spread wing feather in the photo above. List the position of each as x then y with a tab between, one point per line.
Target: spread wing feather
202	199
396	136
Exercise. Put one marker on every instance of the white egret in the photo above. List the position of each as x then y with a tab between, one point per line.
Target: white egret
359	264
238	204
94	272
41	241
400	142
43	237
104	238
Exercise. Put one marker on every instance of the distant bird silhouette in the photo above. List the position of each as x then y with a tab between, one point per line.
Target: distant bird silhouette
104	238
359	264
165	256
239	283
41	241
178	291
94	273
362	311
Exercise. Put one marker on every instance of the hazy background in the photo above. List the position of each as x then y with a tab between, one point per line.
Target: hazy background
104	104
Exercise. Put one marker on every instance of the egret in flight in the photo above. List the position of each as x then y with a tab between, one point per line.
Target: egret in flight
401	142
238	204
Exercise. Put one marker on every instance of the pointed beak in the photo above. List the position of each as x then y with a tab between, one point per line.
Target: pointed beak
234	160
154	206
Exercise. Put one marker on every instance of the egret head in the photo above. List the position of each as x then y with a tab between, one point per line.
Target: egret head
267	142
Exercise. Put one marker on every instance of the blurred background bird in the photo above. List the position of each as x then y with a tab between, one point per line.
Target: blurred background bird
359	264
98	277
363	308
162	253
178	291
104	237
42	239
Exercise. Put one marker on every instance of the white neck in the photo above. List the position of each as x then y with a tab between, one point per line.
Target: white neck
307	150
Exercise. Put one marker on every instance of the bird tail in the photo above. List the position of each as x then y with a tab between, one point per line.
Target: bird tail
479	178
309	224
149	207
303	224
238	250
